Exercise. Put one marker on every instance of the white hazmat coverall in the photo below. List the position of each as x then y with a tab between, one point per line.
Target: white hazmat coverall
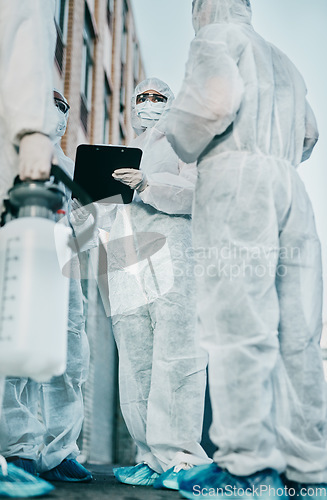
242	111
61	401
161	369
27	43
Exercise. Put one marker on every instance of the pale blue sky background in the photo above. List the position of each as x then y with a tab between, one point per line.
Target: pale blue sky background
298	27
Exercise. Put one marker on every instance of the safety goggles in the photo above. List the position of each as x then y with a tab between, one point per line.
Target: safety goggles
150	97
61	105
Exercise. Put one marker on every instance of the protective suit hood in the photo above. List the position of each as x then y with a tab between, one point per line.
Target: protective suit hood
220	11
62	119
154	84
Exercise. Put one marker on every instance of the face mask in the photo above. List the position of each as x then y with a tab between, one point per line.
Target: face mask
61	125
150	112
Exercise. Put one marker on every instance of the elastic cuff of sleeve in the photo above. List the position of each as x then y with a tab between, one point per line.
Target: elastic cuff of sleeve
142	188
22	134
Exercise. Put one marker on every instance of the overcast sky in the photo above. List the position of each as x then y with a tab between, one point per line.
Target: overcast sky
165	30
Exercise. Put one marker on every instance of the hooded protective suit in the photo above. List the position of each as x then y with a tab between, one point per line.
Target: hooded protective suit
242	111
161	369
27	43
60	399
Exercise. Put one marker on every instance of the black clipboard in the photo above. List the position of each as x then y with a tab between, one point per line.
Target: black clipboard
94	165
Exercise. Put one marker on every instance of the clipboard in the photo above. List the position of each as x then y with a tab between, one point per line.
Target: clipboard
94	165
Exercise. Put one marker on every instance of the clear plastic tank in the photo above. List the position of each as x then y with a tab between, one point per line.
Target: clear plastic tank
34	299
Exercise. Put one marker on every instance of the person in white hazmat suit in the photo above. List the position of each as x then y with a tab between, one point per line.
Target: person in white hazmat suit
27	119
49	447
242	112
162	371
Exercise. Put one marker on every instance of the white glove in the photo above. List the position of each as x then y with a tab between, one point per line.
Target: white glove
135	179
78	214
35	156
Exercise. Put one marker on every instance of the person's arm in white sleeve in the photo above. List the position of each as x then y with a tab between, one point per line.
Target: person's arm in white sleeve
209	99
170	193
28	38
311	133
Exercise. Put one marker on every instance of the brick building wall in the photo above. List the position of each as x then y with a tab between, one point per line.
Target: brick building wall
107	66
71	76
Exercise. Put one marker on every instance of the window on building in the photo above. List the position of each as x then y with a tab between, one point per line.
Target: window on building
122	88
123	56
136	68
124	34
121	135
106	116
110	12
87	68
61	16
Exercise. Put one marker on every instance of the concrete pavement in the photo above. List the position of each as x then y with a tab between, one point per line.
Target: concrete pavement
105	487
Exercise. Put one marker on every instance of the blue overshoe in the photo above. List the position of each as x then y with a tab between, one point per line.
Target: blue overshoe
170	479
26	464
306	491
70	471
211	481
138	475
16	483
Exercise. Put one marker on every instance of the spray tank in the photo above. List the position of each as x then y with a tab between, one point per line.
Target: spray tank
34	293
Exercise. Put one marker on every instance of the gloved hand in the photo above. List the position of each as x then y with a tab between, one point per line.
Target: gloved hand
78	214
135	179
35	156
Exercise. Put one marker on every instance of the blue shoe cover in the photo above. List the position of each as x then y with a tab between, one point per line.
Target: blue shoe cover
306	491
312	491
169	479
26	464
19	484
211	481
138	475
69	470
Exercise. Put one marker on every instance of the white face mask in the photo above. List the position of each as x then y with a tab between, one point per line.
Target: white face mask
61	125
150	112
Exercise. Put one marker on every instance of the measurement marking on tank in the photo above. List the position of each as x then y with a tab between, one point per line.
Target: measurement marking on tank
9	294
